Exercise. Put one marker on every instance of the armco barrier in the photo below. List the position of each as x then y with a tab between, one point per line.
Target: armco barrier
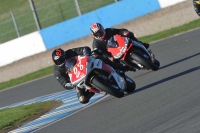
78	27
166	3
21	47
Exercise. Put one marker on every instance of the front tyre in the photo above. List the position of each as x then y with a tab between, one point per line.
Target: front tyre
144	61
130	85
157	63
104	86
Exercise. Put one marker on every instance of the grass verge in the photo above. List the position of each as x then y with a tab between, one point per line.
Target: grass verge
12	118
26	78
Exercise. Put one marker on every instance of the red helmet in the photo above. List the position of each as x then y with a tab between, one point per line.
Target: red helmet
58	57
97	30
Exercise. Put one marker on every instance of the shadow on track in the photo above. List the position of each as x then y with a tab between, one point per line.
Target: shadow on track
160	81
173	63
179	61
167	79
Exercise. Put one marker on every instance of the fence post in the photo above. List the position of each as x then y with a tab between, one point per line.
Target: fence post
35	15
77	7
15	24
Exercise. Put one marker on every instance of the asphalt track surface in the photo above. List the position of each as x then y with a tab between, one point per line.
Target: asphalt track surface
165	101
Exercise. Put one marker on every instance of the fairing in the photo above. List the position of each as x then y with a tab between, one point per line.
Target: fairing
118	46
83	67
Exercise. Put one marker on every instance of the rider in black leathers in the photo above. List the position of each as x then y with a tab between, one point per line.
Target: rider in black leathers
197	6
59	57
101	36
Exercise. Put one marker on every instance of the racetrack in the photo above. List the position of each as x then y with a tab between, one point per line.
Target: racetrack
166	101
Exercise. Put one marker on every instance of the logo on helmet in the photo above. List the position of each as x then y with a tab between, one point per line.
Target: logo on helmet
58	52
56	57
94	27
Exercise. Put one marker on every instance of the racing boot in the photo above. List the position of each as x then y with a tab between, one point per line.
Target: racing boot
146	45
84	96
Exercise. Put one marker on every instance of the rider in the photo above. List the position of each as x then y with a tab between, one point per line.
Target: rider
101	36
59	57
197	6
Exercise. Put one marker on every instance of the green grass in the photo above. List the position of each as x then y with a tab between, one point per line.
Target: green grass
192	25
26	78
14	117
151	38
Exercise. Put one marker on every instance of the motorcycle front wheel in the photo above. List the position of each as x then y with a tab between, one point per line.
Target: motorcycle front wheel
104	86
130	85
145	62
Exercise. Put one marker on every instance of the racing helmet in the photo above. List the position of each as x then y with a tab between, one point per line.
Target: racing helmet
58	57
97	30
196	4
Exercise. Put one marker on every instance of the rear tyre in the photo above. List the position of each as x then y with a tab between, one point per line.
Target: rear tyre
104	86
144	61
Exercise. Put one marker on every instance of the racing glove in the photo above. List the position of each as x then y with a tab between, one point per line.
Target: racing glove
131	36
86	51
126	33
69	86
97	51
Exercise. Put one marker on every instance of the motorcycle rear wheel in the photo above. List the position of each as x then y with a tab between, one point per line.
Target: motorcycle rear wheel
104	86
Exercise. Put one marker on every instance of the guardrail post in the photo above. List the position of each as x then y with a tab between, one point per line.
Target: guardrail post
77	7
15	24
35	15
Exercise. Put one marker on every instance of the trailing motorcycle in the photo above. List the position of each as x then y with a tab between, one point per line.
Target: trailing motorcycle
96	76
132	53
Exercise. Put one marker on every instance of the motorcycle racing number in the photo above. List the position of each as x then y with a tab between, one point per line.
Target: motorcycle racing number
78	69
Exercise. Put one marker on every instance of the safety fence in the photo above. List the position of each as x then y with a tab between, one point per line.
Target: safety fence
39	14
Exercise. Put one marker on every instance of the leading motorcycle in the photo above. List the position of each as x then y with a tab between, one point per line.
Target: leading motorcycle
132	53
93	74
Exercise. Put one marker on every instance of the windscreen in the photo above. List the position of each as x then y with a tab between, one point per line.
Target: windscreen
70	63
112	42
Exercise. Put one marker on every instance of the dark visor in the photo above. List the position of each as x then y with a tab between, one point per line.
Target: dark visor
99	33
